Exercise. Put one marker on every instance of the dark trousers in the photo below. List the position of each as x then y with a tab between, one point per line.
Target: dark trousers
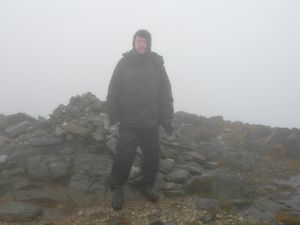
129	140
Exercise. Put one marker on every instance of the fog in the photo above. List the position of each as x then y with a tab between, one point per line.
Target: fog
235	58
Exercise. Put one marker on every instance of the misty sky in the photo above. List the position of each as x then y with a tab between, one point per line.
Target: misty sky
236	58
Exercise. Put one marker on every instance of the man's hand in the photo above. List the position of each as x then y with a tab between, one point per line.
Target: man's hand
168	127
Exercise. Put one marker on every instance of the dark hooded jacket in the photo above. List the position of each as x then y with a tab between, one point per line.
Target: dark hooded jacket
139	93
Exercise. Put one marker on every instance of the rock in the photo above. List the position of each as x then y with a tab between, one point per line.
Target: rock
3	140
111	145
263	211
105	120
59	131
17	129
92	163
119	220
52	214
46	196
196	156
166	165
241	203
43	141
169	186
199	185
210	156
14	119
21	212
213	151
98	105
48	167
76	129
293	181
59	111
85	189
24	184
2	158
191	169
174	193
292	203
98	135
157	222
210	165
231	186
91	174
4	185
177	176
206	203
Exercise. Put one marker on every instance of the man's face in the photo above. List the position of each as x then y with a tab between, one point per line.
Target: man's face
140	45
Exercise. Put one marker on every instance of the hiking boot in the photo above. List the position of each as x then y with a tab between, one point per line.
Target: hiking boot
117	198
149	193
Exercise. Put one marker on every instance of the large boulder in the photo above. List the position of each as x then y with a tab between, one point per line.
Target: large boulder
17	211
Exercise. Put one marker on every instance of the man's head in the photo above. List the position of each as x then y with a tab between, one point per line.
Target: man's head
142	42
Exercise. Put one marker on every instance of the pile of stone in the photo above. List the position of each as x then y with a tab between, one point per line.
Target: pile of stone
65	161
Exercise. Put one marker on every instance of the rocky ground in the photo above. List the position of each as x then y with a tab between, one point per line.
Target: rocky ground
137	211
212	171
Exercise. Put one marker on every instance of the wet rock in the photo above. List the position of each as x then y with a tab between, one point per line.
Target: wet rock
3	140
16	211
174	193
59	112
210	156
169	186
230	185
5	185
85	189
199	184
48	167
206	203
263	211
98	135
43	141
166	165
177	176
213	151
111	145
45	196
14	119
105	120
17	129
241	203
191	169
2	158
59	131
92	163
157	222
76	129
90	177
119	220
196	156
293	181
292	203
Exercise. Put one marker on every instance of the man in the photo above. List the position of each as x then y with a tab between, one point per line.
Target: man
139	101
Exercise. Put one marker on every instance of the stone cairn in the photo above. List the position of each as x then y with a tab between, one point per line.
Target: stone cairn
65	161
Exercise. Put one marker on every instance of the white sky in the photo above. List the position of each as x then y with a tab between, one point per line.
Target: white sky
236	58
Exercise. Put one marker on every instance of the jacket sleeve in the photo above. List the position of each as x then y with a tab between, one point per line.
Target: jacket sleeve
166	98
113	95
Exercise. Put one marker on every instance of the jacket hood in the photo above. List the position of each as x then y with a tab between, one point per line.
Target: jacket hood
144	34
